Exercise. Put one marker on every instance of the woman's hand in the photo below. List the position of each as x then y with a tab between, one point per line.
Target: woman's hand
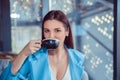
31	47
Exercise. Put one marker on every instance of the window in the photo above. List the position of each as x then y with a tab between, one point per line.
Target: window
25	20
92	27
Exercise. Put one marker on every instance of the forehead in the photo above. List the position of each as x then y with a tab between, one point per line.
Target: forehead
53	24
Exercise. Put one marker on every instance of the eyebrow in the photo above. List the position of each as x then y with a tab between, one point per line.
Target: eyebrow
55	28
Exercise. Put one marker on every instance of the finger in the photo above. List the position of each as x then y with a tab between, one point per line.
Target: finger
38	41
34	50
37	45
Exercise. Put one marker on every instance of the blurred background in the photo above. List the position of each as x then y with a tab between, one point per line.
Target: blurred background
92	23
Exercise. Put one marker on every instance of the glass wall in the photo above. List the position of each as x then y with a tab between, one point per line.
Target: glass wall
25	20
92	26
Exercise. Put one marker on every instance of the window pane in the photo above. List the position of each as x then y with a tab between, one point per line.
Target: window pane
92	26
25	20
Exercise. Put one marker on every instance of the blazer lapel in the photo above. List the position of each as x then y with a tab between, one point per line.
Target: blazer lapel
41	66
76	68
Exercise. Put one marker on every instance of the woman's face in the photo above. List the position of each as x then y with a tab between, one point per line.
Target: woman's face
55	29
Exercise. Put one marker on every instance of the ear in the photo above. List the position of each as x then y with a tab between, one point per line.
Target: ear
67	33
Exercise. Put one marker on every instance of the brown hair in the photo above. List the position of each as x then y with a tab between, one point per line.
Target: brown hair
60	16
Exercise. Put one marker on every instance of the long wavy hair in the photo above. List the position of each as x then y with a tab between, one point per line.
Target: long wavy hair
59	16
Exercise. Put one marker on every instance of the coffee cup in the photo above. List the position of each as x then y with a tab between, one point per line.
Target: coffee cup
50	43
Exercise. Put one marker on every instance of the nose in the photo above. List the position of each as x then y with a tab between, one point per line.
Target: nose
51	35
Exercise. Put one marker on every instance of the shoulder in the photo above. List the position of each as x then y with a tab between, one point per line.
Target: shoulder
76	55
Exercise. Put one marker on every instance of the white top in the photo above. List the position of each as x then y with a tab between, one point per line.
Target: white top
67	75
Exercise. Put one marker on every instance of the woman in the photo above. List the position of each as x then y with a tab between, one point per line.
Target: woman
37	63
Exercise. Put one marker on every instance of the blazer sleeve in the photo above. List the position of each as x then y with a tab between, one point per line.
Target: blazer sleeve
22	74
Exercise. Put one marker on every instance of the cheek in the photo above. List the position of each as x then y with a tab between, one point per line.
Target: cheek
45	35
61	38
61	35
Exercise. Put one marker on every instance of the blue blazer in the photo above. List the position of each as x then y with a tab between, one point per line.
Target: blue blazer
36	67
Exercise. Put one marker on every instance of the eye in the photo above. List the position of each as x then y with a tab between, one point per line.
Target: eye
46	30
57	30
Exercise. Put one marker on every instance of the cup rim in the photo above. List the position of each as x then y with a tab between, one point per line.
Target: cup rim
51	39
